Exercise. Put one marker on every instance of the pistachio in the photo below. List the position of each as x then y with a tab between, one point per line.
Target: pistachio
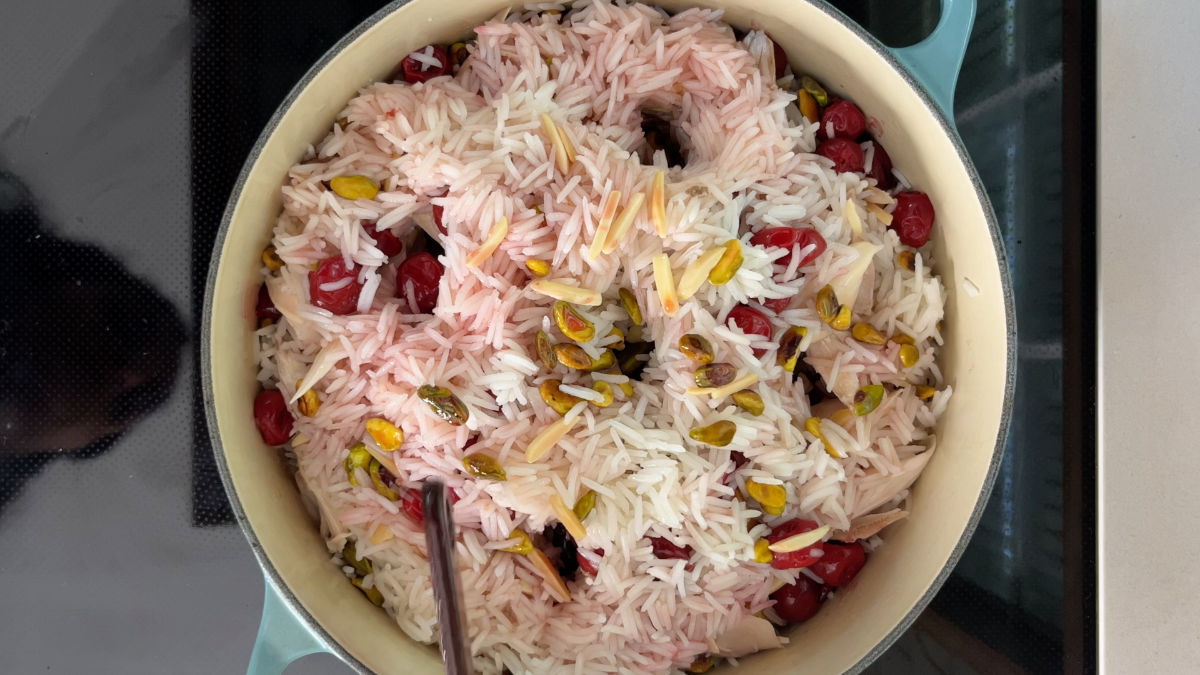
827	304
308	403
715	375
620	343
354	187
808	106
458	53
770	497
696	348
584	505
385	434
923	392
902	339
271	259
815	90
536	267
909	355
842	320
867	398
444	404
701	664
728	265
571	323
718	434
480	465
361	565
572	356
605	390
603	362
381	486
906	259
762	551
789	347
545	350
372	593
630	304
558	400
749	401
357	458
523	546
865	332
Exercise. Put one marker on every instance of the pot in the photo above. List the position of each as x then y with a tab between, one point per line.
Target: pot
309	607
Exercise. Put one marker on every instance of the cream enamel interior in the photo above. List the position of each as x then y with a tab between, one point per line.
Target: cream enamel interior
975	359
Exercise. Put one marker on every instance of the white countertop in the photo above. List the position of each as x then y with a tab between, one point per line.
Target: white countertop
1149	321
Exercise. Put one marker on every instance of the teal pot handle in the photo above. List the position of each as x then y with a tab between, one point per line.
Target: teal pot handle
282	637
936	60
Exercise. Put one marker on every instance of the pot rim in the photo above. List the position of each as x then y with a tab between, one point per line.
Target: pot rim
273	577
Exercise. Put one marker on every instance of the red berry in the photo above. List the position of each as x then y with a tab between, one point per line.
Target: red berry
840	564
795	559
334	285
410	504
387	243
272	417
787	238
423	272
777	305
845	153
437	217
845	118
415	71
750	320
800	601
781	61
881	168
666	550
912	218
585	564
264	308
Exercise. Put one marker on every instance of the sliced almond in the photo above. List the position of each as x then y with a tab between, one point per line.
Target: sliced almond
572	294
608	211
329	355
567	517
696	273
799	541
497	234
869	525
381	534
850	213
560	150
878	196
658	202
553	582
552	434
623	222
747	380
567	144
877	210
664	282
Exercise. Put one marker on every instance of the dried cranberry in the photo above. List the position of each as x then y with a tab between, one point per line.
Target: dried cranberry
387	243
739	460
840	564
845	118
585	564
777	305
781	62
438	211
795	559
334	285
881	168
665	550
264	308
845	153
410	504
272	417
912	218
788	238
750	320
800	601
415	71
423	272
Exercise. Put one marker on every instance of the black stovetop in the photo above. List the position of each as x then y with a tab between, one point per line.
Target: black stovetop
122	128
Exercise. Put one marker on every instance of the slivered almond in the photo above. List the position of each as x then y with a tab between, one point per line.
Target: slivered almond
623	222
664	282
850	213
658	203
567	144
554	583
552	434
567	517
572	294
883	216
608	211
878	196
799	541
737	385
869	525
696	273
560	150
497	234
385	458
381	534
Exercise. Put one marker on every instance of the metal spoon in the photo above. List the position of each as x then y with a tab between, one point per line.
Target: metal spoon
439	539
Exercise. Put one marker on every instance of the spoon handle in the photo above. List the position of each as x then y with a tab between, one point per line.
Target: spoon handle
439	539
